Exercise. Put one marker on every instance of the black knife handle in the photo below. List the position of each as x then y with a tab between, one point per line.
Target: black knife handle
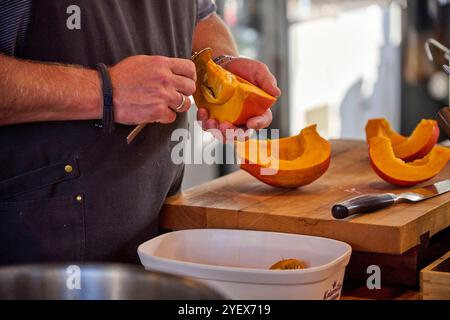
444	120
363	204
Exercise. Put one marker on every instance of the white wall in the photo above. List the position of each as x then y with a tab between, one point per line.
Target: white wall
349	63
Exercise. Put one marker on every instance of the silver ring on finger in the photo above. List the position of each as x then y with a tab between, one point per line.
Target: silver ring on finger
183	101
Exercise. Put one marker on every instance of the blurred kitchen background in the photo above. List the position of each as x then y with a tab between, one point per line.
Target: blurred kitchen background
341	62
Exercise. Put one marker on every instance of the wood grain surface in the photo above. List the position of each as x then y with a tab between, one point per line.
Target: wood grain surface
239	201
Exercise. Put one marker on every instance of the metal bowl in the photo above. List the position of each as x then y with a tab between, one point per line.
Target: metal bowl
97	282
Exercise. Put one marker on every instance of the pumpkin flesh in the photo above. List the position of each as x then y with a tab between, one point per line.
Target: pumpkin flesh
296	161
227	97
416	146
396	171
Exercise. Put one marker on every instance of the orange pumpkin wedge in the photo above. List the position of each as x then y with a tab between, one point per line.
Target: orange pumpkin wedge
226	96
398	172
381	126
289	162
416	146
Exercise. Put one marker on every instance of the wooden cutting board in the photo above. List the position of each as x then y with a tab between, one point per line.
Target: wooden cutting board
239	201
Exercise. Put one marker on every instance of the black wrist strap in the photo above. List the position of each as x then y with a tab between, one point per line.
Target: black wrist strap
108	107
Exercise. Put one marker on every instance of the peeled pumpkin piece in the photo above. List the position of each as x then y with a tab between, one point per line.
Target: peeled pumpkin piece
416	146
226	96
398	172
296	161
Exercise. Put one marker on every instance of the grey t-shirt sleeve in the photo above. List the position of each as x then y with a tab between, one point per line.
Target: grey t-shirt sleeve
14	18
205	9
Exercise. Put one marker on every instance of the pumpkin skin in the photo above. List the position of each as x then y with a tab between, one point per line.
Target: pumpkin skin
397	172
301	159
416	146
226	96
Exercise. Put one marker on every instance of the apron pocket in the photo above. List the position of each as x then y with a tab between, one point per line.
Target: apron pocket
37	179
47	230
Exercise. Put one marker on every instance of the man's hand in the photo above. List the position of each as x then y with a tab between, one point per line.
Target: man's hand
257	73
148	89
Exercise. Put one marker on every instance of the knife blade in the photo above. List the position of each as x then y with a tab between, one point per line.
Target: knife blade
140	127
446	69
373	202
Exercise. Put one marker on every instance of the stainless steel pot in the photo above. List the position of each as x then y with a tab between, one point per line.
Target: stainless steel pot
97	282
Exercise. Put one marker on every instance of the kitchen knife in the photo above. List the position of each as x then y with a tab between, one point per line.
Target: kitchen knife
446	69
444	120
140	127
373	202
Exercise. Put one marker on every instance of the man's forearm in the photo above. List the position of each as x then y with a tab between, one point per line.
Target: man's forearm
214	33
32	92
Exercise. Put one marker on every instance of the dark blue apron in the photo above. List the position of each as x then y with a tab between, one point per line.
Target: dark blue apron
68	191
